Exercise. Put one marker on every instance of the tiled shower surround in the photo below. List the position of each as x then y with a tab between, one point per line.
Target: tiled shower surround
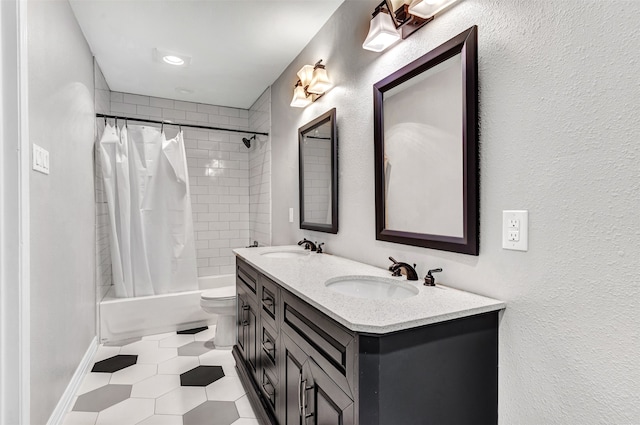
219	172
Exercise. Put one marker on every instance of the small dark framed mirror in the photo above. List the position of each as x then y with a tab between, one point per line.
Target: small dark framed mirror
426	149
318	174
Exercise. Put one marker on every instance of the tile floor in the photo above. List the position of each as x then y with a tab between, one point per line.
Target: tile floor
167	379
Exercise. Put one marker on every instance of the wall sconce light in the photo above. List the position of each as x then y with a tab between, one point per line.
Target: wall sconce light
312	83
387	27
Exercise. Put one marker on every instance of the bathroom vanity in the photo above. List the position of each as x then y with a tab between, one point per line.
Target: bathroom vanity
310	355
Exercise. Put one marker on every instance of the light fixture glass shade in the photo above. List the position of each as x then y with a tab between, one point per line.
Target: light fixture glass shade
425	9
300	99
382	33
305	74
320	82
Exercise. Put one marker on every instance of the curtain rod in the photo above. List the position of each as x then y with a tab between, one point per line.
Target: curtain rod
206	127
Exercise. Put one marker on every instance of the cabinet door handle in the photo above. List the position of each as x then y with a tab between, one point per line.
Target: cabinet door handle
246	307
268	302
304	389
300	394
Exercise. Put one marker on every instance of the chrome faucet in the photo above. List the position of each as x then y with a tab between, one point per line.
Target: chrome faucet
308	244
397	269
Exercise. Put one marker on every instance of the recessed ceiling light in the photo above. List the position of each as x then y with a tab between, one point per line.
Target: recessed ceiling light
173	60
171	57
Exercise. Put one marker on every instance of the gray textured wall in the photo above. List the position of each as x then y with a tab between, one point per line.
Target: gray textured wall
558	136
62	120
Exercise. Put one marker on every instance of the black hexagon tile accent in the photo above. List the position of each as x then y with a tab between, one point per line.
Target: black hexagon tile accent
212	413
115	363
192	331
194	348
201	376
101	398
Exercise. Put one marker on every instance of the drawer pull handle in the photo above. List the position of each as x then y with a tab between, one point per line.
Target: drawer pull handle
269	392
245	323
268	302
246	307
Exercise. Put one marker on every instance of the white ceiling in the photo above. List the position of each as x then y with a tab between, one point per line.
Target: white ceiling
237	47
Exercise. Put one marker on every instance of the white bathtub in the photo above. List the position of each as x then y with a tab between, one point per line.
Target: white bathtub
123	318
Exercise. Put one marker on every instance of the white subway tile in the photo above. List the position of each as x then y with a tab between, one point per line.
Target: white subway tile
207	109
173	114
136	99
117	97
161	103
218	120
229	112
198	117
185	106
149	110
126	108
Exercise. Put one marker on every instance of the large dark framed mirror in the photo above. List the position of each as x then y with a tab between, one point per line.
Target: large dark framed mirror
318	174
426	149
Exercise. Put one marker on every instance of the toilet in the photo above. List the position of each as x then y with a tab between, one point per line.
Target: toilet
222	301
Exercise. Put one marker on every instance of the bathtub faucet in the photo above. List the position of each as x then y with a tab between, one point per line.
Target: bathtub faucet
308	244
255	245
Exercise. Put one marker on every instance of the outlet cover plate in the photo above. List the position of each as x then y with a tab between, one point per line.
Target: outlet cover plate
515	230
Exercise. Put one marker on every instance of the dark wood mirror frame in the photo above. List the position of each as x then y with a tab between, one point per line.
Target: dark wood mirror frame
464	44
328	117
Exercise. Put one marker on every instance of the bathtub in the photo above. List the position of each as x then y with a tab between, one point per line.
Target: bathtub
124	318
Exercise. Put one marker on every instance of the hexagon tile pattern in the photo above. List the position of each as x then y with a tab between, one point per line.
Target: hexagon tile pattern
115	363
192	331
212	413
201	376
102	398
195	348
188	389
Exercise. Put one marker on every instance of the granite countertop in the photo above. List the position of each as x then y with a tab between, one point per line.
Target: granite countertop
305	276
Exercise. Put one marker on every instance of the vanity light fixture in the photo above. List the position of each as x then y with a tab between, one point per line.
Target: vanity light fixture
388	26
382	30
313	82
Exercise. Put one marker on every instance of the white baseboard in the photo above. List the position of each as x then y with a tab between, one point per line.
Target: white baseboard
76	380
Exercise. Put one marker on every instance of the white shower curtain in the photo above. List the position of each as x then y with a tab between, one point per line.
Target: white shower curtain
147	189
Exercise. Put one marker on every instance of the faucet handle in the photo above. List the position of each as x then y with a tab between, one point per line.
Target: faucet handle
319	249
429	279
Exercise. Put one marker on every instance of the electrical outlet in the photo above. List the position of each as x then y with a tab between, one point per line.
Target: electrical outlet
515	232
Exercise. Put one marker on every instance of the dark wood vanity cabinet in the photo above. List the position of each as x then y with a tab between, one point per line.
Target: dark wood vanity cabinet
301	367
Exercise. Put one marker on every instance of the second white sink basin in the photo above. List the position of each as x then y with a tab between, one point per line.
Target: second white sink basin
285	254
372	287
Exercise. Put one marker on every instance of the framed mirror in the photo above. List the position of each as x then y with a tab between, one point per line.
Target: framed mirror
318	174
426	149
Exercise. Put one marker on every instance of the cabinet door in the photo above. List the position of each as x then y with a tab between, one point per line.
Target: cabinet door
248	330
290	381
323	402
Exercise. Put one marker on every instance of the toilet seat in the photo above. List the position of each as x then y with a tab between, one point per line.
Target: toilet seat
224	293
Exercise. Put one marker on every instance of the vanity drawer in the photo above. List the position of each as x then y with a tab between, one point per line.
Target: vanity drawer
269	300
269	388
333	344
247	276
268	342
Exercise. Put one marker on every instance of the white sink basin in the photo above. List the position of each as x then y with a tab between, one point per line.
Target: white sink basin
285	254
372	287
